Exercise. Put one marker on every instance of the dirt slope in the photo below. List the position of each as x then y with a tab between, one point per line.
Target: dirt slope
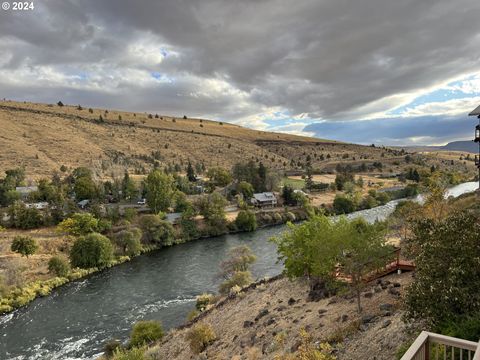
266	322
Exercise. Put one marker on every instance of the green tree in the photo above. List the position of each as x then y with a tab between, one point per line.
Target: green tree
246	189
246	221
24	218
343	205
156	230
447	279
129	241
219	176
212	208
59	266
79	224
129	189
85	188
92	250
181	202
188	225
145	332
159	190
24	245
191	173
318	246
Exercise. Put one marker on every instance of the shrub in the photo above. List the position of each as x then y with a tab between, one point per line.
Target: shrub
58	266
111	347
192	315
240	278
92	250
246	221
203	301
277	218
343	205
131	354
129	241
200	337
156	230
79	224
145	332
24	245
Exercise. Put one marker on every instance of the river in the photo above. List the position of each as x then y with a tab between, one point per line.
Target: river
76	320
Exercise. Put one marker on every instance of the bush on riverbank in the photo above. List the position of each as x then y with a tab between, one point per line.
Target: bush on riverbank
200	337
93	250
145	332
59	266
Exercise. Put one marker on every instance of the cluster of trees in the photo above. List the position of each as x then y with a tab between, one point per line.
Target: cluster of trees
320	247
350	202
261	178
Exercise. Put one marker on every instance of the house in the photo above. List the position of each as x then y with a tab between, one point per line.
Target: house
38	205
264	199
24	191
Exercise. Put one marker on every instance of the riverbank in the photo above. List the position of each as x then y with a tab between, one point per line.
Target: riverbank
44	284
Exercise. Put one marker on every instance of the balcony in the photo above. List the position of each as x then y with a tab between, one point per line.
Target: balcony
430	346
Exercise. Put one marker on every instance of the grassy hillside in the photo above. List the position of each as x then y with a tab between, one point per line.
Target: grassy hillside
43	137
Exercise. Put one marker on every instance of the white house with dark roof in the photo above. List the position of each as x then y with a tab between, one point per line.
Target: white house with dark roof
264	199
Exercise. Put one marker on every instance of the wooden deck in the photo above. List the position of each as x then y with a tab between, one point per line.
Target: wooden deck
389	268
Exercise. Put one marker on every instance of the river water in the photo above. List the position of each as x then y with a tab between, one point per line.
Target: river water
76	320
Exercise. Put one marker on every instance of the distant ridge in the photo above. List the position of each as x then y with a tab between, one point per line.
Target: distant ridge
467	146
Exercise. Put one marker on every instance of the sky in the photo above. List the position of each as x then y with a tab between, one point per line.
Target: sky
366	71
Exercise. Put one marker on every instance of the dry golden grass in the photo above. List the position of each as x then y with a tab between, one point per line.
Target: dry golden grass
43	137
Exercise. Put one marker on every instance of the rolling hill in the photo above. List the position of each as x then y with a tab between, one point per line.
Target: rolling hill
45	137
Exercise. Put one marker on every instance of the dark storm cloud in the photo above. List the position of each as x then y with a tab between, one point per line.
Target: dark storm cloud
332	59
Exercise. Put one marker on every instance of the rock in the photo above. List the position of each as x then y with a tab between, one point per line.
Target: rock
387	313
386	282
367	319
332	301
282	308
247	324
344	317
363	327
396	284
386	307
368	295
386	323
269	322
295	321
322	311
308	310
377	289
261	314
291	301
319	290
393	291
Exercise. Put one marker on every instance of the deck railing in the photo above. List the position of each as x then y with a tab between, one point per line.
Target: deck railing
431	346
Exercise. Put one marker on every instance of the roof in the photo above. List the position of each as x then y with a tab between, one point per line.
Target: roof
475	112
26	189
265	196
172	217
